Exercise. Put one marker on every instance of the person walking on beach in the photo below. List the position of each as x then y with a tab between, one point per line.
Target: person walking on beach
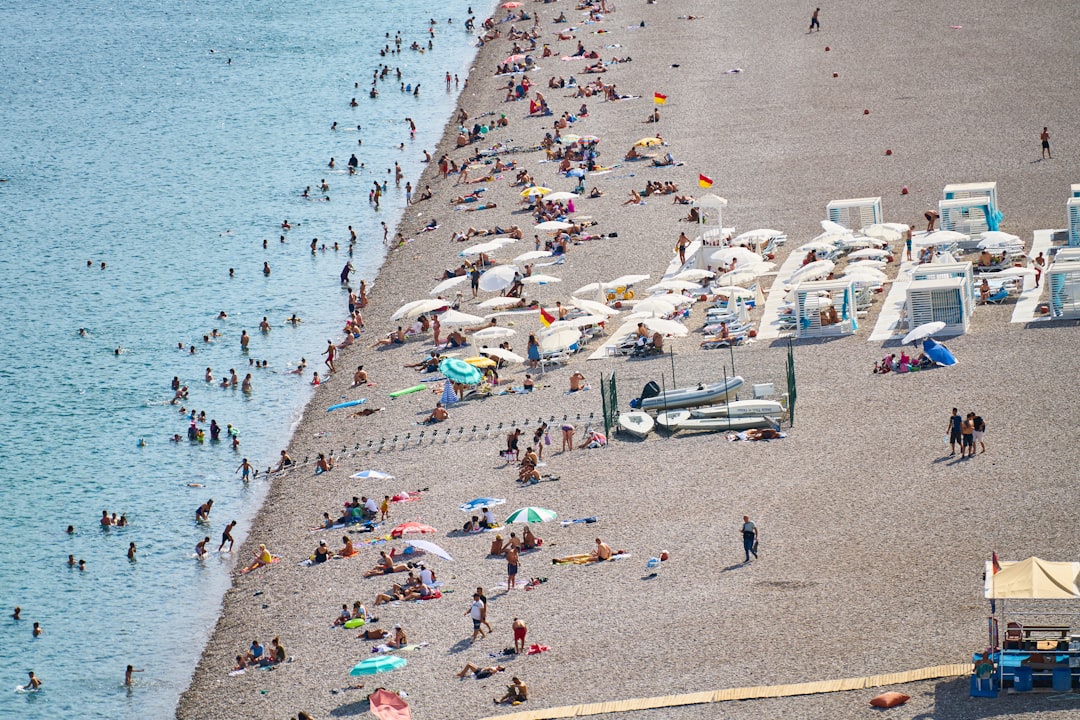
330	352
980	429
476	612
954	430
1044	138
749	537
814	23
511	567
245	469
227	536
680	246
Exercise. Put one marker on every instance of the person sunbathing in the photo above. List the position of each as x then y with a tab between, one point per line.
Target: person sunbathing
602	551
761	434
635	198
344	617
456	339
395	338
437	415
262	557
683	200
497	547
528	540
665	161
479	672
397	592
386	566
516	692
347	550
632	153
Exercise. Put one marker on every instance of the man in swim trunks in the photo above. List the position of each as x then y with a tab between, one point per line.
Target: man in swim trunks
511	567
479	672
476	612
519	635
226	536
200	548
602	551
954	431
202	514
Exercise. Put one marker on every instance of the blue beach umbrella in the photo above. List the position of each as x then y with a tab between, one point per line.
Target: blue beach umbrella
449	397
575	172
378	664
460	371
480	503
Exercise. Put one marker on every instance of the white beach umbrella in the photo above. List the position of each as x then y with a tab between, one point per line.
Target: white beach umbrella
484	247
694	274
541	279
818	246
734	292
502	355
626	280
448	284
493	333
833	227
741	255
997	240
869	253
737	277
866	263
666	285
756	236
558	339
657	305
881	231
923	331
498	278
810	271
591	289
758	269
499	302
417	308
579	322
866	274
666	327
561	195
552	225
531	255
454	317
942	237
505	240
591	306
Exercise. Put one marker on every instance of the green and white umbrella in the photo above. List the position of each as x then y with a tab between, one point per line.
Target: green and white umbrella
531	515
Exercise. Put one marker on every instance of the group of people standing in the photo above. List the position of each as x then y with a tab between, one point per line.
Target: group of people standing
968	431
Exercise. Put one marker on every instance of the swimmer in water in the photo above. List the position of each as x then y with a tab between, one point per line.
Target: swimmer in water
82	332
200	548
128	680
38	630
203	512
70	530
131	551
82	565
33	683
71	561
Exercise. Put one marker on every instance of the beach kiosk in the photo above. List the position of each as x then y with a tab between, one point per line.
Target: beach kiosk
932	271
940	300
821	316
1039	602
1072	212
855	213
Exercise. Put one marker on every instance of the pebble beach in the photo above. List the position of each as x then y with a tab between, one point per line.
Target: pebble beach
872	537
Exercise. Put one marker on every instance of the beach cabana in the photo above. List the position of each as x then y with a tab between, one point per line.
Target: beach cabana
1063	279
967	191
1072	212
970	216
940	300
1074	190
811	305
932	271
855	212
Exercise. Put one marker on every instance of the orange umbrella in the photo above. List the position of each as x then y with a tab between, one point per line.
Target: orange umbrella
411	528
386	705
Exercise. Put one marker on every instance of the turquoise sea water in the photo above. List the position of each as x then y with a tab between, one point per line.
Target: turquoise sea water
127	141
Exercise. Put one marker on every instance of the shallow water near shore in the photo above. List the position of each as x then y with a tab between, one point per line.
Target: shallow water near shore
127	141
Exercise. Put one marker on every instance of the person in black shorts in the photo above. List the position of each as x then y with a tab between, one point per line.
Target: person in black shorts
814	24
227	536
954	430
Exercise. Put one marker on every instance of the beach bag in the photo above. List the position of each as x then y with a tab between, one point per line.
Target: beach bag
547	439
889	699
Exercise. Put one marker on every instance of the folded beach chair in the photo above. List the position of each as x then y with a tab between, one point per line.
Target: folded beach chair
998	296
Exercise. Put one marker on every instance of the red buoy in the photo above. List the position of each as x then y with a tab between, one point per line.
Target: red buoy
888	152
865	112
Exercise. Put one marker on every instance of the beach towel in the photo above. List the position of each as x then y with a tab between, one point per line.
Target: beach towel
386	705
536	649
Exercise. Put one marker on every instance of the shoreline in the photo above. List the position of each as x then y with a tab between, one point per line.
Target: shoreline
295	500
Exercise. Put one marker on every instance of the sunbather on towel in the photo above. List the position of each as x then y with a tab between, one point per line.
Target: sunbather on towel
385	566
479	672
602	552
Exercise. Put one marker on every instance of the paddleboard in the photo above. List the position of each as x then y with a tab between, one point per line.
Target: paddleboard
348	404
408	391
637	423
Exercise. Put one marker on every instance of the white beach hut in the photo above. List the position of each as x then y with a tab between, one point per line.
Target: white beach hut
711	210
967	191
855	212
931	271
939	300
970	216
810	303
1074	190
1072	209
1063	279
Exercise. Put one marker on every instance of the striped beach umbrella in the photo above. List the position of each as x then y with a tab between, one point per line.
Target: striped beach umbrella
531	515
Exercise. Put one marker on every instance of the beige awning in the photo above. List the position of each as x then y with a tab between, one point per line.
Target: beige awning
1034	578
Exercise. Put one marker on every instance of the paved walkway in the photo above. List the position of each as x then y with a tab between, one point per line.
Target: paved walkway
769	327
1028	302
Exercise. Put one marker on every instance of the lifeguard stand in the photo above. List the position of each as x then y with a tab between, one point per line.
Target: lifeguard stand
855	213
939	300
1063	279
931	271
710	211
1072	208
809	308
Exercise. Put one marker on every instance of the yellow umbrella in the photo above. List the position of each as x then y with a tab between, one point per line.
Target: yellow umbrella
481	362
647	142
536	190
